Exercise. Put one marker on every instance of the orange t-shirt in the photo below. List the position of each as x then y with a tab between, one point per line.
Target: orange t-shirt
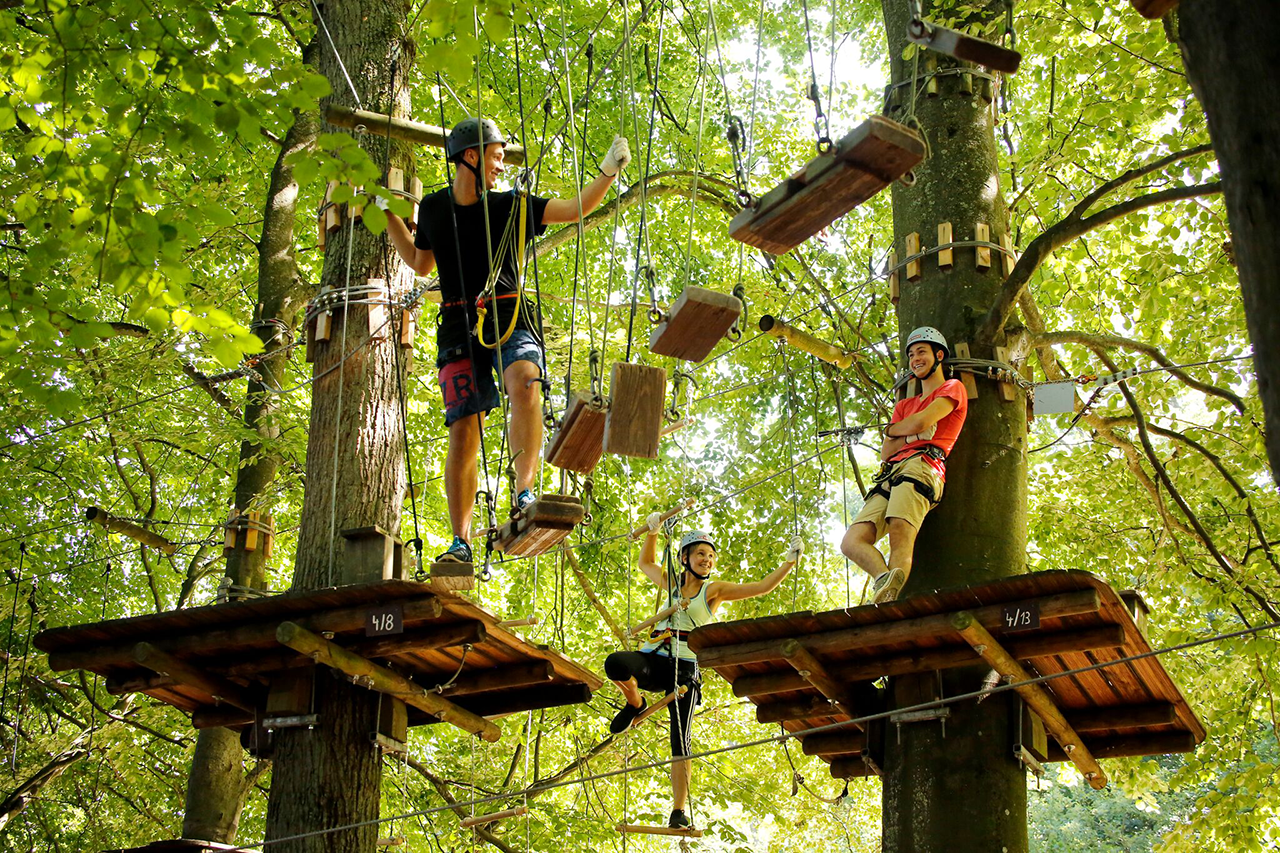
948	429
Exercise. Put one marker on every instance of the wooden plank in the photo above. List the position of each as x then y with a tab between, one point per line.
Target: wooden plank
579	442
925	660
1123	717
501	678
894	293
805	342
695	323
684	832
1008	257
496	703
902	630
408	328
837	742
241	638
634	422
850	768
970	386
796	709
378	124
540	526
814	672
1154	9
861	164
1008	393
1122	746
384	680
450	576
982	254
946	257
145	654
655	707
912	249
1033	694
492	817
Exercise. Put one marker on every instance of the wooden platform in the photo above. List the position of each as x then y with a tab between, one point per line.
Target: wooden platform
235	647
540	526
864	162
1132	708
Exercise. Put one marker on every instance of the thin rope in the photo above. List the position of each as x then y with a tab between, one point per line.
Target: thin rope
336	55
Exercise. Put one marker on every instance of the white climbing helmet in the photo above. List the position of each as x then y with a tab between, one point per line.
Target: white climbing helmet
693	537
929	335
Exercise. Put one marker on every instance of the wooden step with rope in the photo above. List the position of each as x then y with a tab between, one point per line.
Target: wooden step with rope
865	161
540	526
633	425
683	832
695	323
578	444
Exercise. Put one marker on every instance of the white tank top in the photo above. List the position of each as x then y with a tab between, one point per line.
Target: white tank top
693	616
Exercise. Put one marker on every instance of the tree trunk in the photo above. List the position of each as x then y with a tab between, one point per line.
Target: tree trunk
964	791
1225	45
215	786
330	776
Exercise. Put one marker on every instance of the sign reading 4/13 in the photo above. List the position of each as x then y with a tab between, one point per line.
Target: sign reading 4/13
1020	617
388	619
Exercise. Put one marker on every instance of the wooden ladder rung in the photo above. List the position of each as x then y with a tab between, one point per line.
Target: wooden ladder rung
864	162
686	832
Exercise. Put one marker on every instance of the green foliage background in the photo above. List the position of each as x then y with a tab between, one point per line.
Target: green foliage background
137	139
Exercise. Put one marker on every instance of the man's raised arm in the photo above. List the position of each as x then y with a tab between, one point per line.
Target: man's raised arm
561	210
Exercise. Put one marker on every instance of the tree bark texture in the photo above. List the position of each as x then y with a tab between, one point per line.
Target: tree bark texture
1227	47
330	777
962	791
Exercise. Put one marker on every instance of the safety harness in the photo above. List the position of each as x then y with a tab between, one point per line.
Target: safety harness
887	480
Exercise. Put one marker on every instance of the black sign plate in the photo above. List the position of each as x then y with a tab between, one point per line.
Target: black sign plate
388	619
1020	617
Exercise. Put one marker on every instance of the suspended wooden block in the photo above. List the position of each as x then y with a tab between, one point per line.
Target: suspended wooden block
963	46
966	378
945	256
913	251
540	526
451	576
633	425
686	832
1154	8
982	256
895	293
868	159
579	442
695	323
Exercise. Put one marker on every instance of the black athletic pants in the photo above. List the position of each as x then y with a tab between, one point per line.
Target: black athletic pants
655	672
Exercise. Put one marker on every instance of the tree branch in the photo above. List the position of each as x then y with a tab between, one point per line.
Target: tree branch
591	594
442	788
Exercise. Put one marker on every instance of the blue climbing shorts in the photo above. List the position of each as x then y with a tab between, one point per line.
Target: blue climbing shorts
467	392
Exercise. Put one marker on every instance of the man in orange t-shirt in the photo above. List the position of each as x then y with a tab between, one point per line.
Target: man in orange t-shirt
921	433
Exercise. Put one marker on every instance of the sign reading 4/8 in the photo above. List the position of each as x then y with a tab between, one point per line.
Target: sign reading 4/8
1020	617
388	619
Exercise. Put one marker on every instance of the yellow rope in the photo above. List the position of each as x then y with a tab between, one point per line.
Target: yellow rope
518	258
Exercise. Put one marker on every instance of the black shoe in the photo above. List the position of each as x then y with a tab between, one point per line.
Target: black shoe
624	718
678	819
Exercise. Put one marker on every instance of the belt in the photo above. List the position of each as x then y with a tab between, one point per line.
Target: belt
462	302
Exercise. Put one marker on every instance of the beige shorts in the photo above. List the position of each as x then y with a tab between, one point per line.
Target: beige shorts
904	501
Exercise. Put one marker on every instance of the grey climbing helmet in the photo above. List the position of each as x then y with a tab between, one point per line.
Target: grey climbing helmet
929	335
467	134
693	537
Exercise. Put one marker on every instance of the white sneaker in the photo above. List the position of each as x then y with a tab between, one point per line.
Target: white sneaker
887	586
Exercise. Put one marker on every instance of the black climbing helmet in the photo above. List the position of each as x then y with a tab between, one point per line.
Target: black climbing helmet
466	134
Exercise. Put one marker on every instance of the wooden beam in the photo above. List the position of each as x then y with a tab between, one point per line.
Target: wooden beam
658	617
221	715
1121	746
1036	697
1123	717
815	673
496	703
806	342
502	678
686	832
947	657
145	654
834	743
659	705
687	503
850	768
108	521
406	130
242	639
383	680
492	817
796	709
883	633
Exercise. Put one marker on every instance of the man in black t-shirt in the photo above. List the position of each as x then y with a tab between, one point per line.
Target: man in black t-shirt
452	236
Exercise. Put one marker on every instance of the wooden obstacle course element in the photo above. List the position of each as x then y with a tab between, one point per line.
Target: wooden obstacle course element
806	342
522	622
540	526
684	832
687	503
658	617
579	442
236	642
851	768
1138	608
982	254
1008	258
1154	9
812	670
895	292
408	328
633	424
379	124
452	576
1033	694
258	527
108	521
839	742
860	165
695	323
946	255
219	688
492	817
1007	390
373	554
654	708
383	680
410	191
1129	708
913	251
966	378
963	46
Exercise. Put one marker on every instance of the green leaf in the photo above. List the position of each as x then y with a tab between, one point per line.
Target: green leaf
375	219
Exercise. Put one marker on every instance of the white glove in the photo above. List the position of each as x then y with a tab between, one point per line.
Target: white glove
654	522
618	157
380	202
921	436
796	549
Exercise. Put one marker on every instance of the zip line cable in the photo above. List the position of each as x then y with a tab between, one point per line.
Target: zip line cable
982	691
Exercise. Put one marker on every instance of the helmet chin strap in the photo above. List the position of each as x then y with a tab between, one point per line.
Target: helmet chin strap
475	171
688	568
937	362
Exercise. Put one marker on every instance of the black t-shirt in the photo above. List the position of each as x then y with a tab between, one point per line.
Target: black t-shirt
459	286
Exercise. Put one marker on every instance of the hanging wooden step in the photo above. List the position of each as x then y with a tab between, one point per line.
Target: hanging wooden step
579	443
1154	9
696	322
540	526
633	425
868	159
452	576
684	832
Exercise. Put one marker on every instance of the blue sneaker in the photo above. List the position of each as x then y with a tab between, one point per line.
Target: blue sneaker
459	552
525	498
